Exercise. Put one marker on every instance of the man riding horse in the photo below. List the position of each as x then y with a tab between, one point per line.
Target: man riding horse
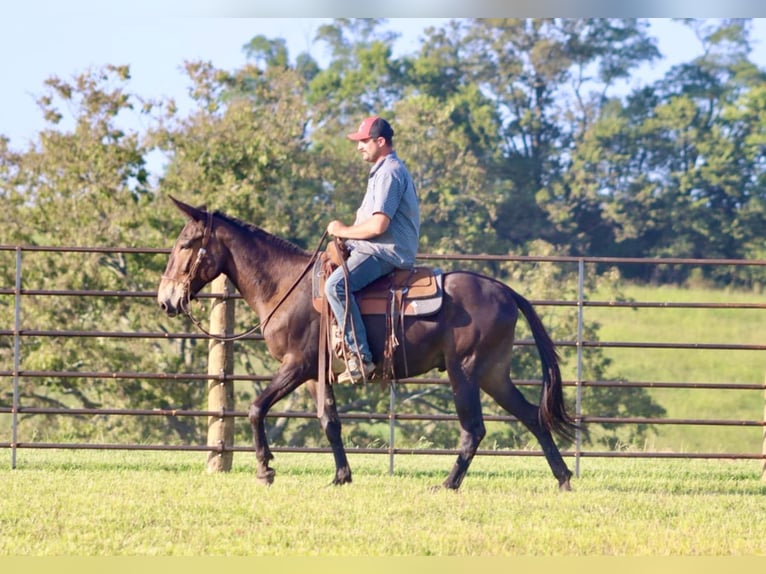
384	237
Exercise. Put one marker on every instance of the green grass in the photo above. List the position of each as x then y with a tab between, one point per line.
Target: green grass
67	503
712	326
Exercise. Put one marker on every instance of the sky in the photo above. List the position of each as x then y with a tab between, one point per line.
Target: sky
67	43
155	49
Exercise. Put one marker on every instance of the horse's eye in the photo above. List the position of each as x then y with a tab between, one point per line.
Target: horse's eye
186	244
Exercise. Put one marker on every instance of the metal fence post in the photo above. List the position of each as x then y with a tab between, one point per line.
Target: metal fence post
763	445
16	359
220	387
580	322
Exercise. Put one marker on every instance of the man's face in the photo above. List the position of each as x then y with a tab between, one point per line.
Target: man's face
371	148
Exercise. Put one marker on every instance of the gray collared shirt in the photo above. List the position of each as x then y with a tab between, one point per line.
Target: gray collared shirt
390	190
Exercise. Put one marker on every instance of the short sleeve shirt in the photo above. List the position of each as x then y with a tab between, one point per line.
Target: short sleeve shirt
390	190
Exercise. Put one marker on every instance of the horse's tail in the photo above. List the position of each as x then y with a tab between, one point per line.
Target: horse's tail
553	414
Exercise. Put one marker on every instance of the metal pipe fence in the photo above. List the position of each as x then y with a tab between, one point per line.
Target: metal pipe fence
14	332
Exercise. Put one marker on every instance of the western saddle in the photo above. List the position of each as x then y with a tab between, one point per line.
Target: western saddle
402	293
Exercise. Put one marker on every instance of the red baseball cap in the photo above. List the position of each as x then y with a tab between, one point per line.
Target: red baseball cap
372	127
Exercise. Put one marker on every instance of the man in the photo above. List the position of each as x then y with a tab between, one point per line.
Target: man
384	237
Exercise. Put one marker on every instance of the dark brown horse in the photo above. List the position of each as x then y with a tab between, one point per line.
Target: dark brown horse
471	337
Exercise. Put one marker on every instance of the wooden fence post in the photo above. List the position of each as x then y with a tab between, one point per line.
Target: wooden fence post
220	392
763	444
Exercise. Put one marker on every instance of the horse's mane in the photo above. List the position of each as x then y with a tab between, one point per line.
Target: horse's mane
262	234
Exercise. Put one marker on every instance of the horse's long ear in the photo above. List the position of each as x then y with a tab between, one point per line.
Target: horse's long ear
194	213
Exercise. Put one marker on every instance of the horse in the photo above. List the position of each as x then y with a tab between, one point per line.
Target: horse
471	337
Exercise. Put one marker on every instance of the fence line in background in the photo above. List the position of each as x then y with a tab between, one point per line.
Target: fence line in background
220	436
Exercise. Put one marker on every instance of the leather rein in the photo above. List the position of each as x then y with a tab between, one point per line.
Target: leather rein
262	324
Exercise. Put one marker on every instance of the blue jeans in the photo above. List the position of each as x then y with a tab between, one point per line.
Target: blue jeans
363	269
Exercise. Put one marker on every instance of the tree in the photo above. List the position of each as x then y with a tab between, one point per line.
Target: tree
86	185
244	149
536	72
670	172
363	78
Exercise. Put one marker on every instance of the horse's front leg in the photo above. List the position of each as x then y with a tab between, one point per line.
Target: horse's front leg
330	423
257	416
286	380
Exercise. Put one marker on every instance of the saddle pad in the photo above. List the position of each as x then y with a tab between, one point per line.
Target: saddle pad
422	295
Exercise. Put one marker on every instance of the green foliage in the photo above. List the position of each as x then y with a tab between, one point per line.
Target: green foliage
363	78
676	169
244	150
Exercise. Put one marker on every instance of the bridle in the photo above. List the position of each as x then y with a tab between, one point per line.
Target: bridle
186	306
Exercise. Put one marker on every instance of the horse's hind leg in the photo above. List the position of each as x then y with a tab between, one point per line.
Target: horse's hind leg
511	399
468	406
330	423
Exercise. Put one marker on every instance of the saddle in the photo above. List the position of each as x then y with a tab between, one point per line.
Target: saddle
417	291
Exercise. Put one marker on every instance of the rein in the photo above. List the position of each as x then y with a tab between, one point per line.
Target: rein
262	324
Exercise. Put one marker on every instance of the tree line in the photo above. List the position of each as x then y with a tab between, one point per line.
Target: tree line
519	133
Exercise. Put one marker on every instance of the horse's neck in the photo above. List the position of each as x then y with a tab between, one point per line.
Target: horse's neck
259	269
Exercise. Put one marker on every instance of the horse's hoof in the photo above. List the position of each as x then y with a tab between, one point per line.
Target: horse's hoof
564	486
266	478
342	476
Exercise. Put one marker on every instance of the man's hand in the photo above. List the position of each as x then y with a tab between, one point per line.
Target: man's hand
335	228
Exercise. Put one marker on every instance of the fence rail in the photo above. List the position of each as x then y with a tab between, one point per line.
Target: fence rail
19	333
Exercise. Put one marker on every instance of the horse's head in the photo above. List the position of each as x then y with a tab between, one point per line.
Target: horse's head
193	262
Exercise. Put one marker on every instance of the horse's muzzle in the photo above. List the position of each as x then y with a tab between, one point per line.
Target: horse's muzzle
171	297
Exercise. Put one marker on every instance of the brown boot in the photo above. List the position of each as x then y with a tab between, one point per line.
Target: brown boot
354	374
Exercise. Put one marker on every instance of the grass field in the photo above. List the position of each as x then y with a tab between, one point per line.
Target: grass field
711	326
65	503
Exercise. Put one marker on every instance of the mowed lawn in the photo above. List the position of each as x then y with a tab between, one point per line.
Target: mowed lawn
70	503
